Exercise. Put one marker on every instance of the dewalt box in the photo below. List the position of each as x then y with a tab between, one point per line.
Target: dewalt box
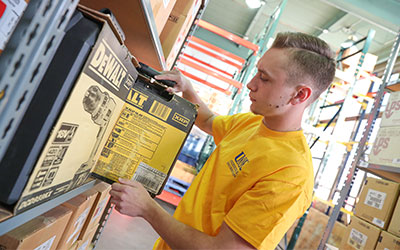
87	118
147	137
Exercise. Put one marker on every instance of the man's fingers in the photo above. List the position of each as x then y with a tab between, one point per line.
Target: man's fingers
127	182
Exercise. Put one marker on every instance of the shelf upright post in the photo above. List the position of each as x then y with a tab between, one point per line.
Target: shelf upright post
345	109
269	30
361	146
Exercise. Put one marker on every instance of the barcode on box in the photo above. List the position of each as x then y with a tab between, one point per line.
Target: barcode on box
375	199
396	161
357	239
378	222
160	110
149	177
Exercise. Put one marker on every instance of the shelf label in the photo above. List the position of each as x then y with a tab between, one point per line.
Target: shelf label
375	199
357	239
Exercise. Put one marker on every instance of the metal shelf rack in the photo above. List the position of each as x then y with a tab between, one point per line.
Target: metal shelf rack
17	220
362	145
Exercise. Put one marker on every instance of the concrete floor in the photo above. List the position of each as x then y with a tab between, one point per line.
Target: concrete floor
124	232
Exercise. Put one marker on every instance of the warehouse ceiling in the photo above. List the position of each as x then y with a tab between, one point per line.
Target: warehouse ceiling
338	18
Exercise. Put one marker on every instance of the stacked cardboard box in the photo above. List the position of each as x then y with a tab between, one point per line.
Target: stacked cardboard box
385	150
161	11
394	226
377	201
42	232
360	235
374	213
313	228
177	27
80	206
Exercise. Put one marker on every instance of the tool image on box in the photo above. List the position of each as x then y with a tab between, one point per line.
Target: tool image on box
100	106
148	135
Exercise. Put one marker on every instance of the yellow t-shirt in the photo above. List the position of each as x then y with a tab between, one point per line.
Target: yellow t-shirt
257	180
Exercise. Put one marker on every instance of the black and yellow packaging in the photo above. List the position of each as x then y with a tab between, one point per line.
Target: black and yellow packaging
147	137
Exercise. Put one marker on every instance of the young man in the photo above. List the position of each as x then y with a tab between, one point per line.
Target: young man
259	179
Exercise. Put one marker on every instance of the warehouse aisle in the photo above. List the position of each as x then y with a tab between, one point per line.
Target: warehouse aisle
124	232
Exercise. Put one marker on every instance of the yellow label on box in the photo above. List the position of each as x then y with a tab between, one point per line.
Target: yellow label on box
141	145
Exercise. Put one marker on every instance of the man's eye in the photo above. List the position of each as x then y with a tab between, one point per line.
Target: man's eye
263	78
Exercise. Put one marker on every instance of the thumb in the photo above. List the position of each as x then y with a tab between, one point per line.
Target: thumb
126	181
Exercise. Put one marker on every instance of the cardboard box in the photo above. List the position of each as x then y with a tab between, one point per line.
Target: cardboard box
147	138
84	244
312	230
377	201
360	235
391	116
177	27
183	171
161	10
42	232
388	241
394	226
10	13
81	206
86	120
101	191
385	150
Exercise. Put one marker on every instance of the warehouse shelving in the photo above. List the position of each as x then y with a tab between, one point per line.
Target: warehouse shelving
17	220
357	161
30	50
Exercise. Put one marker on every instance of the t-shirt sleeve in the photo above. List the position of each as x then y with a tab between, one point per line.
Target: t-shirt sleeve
223	123
266	211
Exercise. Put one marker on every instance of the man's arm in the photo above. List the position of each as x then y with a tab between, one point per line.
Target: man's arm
205	116
132	199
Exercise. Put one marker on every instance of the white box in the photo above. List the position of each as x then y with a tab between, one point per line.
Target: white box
385	150
391	116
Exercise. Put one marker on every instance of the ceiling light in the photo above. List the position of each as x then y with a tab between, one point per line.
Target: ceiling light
349	42
325	31
253	4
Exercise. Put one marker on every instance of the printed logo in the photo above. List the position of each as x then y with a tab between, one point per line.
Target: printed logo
236	165
136	98
107	66
65	133
381	143
391	108
181	119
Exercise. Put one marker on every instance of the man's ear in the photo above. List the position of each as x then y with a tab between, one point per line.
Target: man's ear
303	94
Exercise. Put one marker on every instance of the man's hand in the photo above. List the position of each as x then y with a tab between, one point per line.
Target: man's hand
130	198
182	83
205	116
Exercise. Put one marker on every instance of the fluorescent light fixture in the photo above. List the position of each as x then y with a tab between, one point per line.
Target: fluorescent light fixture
253	4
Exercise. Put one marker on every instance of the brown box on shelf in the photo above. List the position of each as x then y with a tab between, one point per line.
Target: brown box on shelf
84	243
80	205
87	117
42	232
183	171
177	27
388	241
360	235
394	225
313	228
377	200
101	191
385	150
391	116
161	10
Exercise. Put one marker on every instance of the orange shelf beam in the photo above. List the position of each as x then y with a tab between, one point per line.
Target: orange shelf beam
216	49
210	72
169	197
232	37
207	64
227	92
